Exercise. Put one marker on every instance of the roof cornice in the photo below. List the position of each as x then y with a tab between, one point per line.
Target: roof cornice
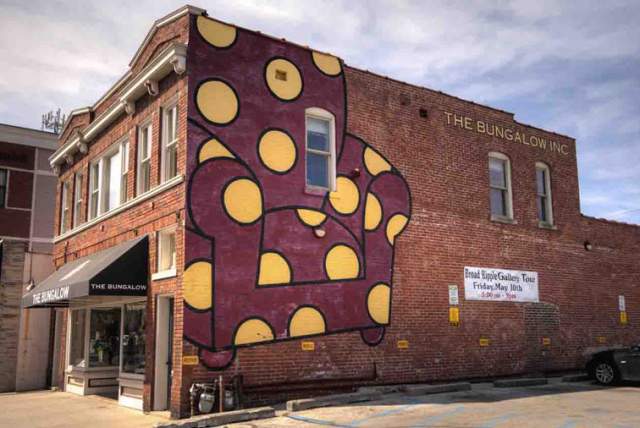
172	58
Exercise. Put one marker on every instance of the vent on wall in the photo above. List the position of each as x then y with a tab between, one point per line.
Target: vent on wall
281	75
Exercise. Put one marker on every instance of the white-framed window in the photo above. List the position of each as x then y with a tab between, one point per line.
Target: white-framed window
3	187
543	193
108	177
500	186
169	142
144	159
166	253
77	199
64	207
94	189
320	148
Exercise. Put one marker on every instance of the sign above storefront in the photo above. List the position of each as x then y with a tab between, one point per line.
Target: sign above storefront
505	133
500	285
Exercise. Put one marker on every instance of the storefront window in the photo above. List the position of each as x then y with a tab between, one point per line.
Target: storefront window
104	337
133	339
76	353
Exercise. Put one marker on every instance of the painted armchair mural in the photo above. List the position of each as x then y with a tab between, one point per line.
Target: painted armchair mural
266	259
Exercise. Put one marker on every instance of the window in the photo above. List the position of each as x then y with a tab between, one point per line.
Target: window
104	337
133	338
108	178
77	336
170	142
320	149
3	187
167	250
124	181
543	194
144	159
77	199
500	186
94	189
64	207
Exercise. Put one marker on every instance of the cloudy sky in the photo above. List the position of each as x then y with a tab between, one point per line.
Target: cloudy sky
572	67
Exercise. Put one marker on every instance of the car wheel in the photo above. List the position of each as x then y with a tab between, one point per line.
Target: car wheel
605	373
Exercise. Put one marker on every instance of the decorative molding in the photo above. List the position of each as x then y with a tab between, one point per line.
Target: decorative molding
129	204
129	106
179	64
152	86
68	158
82	146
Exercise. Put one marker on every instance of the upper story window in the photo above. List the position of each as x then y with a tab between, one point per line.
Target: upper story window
169	142
144	159
500	187
77	199
543	194
107	180
320	149
3	187
64	207
167	251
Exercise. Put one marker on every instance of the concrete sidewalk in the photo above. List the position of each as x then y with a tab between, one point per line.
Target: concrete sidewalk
46	409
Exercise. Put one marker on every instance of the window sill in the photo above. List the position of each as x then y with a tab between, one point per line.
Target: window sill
504	220
164	274
545	225
129	204
316	191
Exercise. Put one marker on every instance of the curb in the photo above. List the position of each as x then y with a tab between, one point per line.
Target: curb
511	383
216	419
436	389
576	377
332	400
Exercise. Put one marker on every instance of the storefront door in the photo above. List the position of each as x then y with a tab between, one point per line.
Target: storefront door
164	353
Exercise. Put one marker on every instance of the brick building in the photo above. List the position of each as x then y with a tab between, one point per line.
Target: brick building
27	202
240	205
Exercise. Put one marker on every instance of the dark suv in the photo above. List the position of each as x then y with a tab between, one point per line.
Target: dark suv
613	365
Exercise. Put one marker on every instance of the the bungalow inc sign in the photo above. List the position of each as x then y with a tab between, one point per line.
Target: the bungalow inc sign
505	133
51	295
500	285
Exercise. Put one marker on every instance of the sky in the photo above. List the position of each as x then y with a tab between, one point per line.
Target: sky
572	67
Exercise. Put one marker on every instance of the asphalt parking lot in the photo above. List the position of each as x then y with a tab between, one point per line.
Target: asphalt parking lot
558	404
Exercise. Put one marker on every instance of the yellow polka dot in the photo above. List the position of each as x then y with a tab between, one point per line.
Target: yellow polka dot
328	64
252	331
372	212
283	79
217	102
196	284
342	262
274	269
214	149
242	200
374	162
395	226
216	33
277	151
346	197
306	322
379	302
311	218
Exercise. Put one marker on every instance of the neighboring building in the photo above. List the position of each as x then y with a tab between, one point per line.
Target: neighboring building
240	205
27	203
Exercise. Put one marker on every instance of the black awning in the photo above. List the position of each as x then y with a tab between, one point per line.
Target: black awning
121	270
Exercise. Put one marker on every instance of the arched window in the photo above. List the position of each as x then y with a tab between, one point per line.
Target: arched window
543	194
320	149
500	187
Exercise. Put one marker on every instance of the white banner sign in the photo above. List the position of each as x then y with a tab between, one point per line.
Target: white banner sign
500	285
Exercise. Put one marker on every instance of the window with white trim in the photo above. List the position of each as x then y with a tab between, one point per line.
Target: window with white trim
64	207
144	159
169	142
77	199
3	187
94	189
124	180
108	177
166	254
500	186
543	194
320	149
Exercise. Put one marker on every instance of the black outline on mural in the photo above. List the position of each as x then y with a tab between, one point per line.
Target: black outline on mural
324	319
381	329
224	208
324	262
281	254
295	151
235	39
202	115
264	78
219	140
320	70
